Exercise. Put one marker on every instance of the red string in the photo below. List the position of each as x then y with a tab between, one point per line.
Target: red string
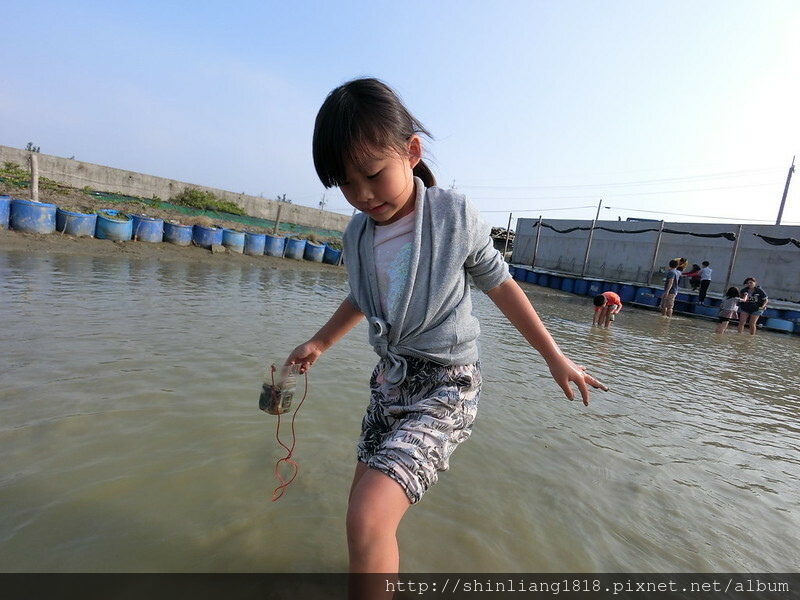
276	495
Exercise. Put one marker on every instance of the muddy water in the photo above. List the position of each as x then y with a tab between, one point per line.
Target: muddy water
132	441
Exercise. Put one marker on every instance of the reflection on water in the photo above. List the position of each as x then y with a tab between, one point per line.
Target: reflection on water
132	441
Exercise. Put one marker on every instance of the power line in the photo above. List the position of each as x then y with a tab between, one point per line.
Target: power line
622	184
684	191
661	212
540	209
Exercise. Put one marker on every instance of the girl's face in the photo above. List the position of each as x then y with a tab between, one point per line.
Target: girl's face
385	189
750	284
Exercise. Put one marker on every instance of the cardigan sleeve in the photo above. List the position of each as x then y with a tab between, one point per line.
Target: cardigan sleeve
484	263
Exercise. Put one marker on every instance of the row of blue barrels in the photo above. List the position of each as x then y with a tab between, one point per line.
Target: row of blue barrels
773	318
575	285
40	217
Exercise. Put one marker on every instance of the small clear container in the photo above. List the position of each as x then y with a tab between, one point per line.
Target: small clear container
278	388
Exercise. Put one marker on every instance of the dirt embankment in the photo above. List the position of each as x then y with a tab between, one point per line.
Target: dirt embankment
76	201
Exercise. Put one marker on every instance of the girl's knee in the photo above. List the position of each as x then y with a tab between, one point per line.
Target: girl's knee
376	507
367	529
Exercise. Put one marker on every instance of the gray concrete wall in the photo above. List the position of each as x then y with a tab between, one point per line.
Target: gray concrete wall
78	174
629	256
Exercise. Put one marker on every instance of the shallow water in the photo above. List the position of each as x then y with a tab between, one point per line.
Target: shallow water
132	441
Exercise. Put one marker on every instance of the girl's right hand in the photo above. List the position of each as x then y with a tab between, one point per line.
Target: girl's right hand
304	355
564	371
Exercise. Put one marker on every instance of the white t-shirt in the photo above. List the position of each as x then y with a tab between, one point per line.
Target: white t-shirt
392	245
705	273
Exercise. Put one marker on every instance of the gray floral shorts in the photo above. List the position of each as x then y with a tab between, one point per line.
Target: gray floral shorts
409	431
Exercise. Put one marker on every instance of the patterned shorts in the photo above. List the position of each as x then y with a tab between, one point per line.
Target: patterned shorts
409	431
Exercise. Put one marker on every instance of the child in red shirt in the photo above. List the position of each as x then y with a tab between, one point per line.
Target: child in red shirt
606	305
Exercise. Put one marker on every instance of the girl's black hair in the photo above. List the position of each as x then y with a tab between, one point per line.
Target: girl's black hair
358	119
732	292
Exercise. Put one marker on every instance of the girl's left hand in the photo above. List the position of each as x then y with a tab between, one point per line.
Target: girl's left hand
565	371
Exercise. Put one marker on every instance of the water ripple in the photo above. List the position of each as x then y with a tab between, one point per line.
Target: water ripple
132	439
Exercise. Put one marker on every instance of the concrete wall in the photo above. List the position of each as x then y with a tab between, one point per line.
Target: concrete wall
629	256
77	174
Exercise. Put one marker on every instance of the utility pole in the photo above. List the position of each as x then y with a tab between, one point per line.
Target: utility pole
785	192
34	176
536	244
655	254
591	234
508	234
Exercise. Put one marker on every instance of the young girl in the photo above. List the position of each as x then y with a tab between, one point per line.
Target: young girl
410	255
753	302
729	309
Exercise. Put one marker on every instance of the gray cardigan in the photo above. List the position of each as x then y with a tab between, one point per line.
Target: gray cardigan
433	319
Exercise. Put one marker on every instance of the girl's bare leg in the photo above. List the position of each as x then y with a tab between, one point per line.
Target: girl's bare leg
742	320
377	504
753	321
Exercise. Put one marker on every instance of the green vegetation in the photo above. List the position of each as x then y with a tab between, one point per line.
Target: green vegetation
194	198
15	175
114	215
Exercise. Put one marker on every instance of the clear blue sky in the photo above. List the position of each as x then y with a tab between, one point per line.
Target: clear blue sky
677	109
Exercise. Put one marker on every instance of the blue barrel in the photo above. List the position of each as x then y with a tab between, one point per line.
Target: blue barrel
175	233
627	293
205	237
681	297
274	245
520	273
780	325
568	284
331	256
5	211
708	311
111	227
33	217
543	279
646	295
555	282
295	248
581	287
147	229
254	243
792	315
77	224
314	252
531	276
511	270
233	240
595	288
772	313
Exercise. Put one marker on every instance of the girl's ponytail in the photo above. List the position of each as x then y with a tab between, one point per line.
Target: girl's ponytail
424	172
